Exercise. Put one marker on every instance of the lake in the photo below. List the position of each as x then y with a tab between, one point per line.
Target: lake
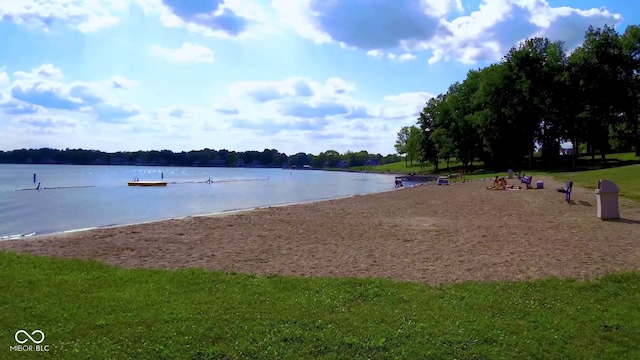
109	201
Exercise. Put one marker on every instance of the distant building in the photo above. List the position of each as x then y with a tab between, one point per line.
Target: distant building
566	151
341	164
372	163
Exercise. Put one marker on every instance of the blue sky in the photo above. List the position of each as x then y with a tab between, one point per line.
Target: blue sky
294	75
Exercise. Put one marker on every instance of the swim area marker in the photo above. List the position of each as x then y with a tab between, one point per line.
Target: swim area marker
209	181
55	187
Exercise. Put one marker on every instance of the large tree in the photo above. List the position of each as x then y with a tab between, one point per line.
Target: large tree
414	143
538	95
600	63
427	122
401	142
631	51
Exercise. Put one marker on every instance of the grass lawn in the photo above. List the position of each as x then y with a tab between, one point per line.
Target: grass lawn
88	310
584	161
401	167
626	177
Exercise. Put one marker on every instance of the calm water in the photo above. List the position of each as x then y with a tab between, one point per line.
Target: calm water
110	201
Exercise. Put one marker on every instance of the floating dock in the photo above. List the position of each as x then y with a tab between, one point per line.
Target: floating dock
147	183
417	178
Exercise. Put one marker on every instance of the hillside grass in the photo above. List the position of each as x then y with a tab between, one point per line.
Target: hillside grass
427	168
89	310
455	166
626	177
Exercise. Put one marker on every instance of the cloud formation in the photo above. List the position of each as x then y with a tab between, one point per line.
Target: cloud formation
299	109
381	27
269	81
187	53
42	89
223	18
85	16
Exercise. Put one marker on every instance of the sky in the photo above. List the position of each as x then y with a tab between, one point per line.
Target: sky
292	75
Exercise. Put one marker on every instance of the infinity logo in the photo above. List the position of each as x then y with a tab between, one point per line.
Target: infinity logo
29	336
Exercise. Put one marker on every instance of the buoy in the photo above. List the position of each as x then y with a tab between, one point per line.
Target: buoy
34	178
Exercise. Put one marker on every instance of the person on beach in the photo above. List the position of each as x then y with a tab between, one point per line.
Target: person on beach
501	184
496	182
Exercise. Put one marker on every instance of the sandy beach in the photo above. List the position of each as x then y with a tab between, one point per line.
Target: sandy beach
431	234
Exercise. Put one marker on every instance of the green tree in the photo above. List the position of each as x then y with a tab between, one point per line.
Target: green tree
600	62
414	143
401	142
631	51
427	122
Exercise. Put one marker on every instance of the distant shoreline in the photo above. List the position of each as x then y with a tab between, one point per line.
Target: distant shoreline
381	172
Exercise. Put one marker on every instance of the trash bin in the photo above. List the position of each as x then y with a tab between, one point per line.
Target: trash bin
607	200
510	173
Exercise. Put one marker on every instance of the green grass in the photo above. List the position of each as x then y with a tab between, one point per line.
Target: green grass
89	310
626	177
629	156
584	163
401	167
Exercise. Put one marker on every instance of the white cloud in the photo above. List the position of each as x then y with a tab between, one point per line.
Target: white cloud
121	82
358	23
47	71
331	99
265	91
306	115
4	78
85	16
485	34
220	18
379	54
405	106
187	53
376	53
43	91
225	108
331	116
406	57
46	121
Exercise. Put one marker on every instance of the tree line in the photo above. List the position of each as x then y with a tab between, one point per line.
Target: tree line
206	157
536	98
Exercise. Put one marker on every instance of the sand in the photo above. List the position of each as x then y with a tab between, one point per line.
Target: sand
430	234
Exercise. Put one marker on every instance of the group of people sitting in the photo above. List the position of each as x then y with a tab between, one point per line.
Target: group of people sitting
500	183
